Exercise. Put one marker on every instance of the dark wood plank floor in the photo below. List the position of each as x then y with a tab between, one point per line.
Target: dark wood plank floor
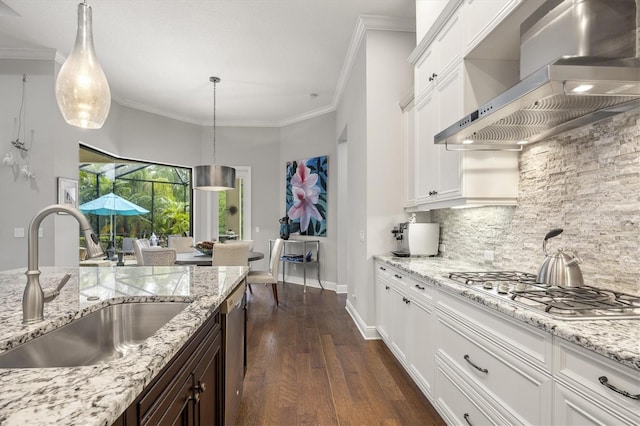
309	365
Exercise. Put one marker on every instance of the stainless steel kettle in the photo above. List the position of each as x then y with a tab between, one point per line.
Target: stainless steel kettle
560	269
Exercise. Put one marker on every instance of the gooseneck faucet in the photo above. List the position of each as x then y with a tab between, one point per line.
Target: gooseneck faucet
34	297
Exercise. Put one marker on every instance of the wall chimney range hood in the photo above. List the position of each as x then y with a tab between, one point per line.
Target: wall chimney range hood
591	71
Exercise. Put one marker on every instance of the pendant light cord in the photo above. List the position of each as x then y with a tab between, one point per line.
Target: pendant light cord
214	80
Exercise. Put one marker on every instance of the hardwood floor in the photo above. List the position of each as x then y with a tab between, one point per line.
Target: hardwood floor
308	364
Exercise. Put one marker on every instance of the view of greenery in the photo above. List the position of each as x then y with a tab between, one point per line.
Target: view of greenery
163	190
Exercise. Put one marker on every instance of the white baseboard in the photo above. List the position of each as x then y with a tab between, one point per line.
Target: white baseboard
313	282
368	332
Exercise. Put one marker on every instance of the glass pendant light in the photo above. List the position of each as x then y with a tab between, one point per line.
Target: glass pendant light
82	90
214	177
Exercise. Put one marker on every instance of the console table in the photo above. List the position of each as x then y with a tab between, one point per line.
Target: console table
295	251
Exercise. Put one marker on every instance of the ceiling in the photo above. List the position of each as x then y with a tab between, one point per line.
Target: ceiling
279	61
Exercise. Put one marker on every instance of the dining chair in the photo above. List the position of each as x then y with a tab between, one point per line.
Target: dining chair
249	242
158	256
138	245
270	276
236	254
180	244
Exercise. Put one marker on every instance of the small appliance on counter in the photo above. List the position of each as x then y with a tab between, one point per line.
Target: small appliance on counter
416	239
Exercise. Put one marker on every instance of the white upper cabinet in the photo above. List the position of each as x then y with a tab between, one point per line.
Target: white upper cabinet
446	88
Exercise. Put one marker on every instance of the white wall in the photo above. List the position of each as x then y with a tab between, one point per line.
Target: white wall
313	138
380	78
126	133
259	148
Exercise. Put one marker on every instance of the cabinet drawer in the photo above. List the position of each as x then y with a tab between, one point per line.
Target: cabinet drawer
497	373
572	408
525	342
582	370
458	404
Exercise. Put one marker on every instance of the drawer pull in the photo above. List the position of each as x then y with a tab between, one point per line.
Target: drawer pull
484	370
383	268
418	286
398	276
386	287
605	381
466	417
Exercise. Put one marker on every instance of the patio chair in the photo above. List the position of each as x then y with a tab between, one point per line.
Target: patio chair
138	245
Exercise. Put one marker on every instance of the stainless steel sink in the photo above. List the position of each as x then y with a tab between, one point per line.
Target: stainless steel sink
104	335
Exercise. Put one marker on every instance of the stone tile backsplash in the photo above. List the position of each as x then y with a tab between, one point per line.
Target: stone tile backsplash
587	182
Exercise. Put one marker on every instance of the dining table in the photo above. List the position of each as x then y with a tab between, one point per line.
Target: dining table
201	259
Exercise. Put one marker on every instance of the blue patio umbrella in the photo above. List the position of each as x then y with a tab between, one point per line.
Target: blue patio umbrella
111	204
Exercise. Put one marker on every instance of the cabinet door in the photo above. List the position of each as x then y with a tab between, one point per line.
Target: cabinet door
479	17
449	96
426	162
207	380
449	45
383	303
426	71
421	345
398	331
408	116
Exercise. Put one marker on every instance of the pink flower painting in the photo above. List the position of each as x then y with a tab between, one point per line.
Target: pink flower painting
307	196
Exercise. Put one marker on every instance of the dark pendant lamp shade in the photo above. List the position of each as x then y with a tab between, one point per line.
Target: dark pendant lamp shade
214	177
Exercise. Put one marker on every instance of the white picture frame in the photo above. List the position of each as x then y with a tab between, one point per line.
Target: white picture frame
68	192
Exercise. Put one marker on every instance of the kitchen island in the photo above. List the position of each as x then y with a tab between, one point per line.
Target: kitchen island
99	394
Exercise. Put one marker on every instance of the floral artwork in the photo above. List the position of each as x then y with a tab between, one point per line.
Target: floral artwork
306	201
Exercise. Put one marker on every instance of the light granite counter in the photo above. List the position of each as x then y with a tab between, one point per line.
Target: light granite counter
617	339
98	394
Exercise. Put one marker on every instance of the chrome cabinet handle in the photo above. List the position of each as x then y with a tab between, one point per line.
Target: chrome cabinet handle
484	370
605	381
466	417
418	286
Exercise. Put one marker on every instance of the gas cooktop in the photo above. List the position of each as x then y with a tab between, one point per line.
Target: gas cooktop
569	303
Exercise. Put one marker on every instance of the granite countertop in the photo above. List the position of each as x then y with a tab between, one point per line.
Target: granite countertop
618	339
99	394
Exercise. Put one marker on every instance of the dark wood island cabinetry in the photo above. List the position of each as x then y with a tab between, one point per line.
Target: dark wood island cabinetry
188	391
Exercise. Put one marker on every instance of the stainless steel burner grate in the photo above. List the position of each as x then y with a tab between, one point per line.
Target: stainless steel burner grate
584	302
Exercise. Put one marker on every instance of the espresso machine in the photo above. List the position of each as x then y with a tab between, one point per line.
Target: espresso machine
416	239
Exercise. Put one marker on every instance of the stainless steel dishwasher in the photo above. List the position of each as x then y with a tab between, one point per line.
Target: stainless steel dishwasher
233	323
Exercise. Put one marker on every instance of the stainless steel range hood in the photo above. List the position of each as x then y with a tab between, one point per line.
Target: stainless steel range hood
600	78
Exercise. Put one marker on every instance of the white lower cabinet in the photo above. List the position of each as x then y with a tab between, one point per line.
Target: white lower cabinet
458	403
478	366
420	352
520	392
403	320
592	390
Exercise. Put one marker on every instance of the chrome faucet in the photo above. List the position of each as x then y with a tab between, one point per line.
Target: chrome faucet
34	297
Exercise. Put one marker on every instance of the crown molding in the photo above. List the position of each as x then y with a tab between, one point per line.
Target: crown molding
28	53
364	23
367	23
